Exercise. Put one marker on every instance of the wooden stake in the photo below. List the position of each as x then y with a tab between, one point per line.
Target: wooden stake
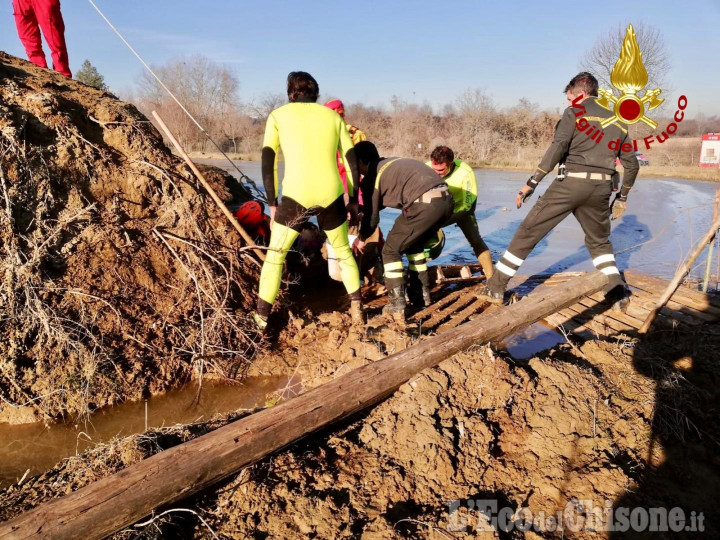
114	502
679	275
712	243
206	185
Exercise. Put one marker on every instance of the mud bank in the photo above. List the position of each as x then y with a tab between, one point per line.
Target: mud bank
119	277
620	423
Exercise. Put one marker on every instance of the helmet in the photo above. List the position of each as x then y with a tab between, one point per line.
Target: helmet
337	106
250	214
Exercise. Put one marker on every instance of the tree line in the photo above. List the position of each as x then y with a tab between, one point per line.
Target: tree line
479	131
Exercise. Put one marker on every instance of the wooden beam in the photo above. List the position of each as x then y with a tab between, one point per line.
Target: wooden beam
123	498
234	222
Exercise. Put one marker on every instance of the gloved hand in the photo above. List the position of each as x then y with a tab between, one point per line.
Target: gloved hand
523	195
618	207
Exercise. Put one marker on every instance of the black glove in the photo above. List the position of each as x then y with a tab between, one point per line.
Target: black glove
527	195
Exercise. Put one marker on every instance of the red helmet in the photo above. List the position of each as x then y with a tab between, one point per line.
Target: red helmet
250	214
337	106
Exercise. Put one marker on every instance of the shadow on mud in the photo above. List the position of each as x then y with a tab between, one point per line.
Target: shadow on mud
676	485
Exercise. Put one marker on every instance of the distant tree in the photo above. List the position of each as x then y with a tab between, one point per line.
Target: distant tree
89	75
207	89
262	107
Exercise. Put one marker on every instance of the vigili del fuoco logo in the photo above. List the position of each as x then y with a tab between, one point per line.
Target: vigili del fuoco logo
629	77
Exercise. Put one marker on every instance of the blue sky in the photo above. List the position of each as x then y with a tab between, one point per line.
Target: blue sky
368	51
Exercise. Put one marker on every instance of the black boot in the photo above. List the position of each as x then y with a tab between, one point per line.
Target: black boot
426	296
619	297
493	291
419	289
396	302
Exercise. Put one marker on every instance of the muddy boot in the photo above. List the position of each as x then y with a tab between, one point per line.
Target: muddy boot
485	260
260	322
493	291
396	303
356	312
426	296
619	297
413	292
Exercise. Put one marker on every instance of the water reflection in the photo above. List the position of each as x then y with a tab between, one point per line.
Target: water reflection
38	447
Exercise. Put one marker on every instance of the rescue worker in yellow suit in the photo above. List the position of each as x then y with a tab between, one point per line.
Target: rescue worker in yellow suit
309	136
462	184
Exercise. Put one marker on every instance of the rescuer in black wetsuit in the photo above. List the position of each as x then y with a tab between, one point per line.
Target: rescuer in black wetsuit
426	204
584	191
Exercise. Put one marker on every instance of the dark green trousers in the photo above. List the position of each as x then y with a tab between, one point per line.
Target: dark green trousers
589	201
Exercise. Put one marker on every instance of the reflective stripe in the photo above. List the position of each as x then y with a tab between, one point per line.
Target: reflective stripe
397	265
416	257
418	267
394	273
609	257
505	269
517	261
609	270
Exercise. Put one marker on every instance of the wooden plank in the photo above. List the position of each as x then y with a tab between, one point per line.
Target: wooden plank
568	320
452	270
583	323
464	314
687	297
440	316
650	300
114	502
596	302
640	306
605	320
437	305
461	280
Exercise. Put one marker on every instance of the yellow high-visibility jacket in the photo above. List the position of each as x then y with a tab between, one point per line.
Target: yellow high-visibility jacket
462	184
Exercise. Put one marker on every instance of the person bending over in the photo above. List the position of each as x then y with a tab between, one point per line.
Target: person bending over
462	184
426	204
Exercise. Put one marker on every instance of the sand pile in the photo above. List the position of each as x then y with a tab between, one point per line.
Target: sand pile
118	275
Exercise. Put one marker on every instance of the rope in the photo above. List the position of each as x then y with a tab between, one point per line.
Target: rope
243	177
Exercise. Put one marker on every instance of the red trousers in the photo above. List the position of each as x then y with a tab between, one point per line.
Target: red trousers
33	15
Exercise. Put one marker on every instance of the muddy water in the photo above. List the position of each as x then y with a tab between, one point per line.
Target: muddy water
37	448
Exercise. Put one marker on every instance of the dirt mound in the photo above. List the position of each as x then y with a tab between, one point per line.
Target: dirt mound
118	274
575	434
578	433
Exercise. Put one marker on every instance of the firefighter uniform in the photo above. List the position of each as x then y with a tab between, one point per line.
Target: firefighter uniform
426	204
584	191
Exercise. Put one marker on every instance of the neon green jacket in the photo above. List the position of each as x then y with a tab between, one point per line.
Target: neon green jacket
309	135
462	184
